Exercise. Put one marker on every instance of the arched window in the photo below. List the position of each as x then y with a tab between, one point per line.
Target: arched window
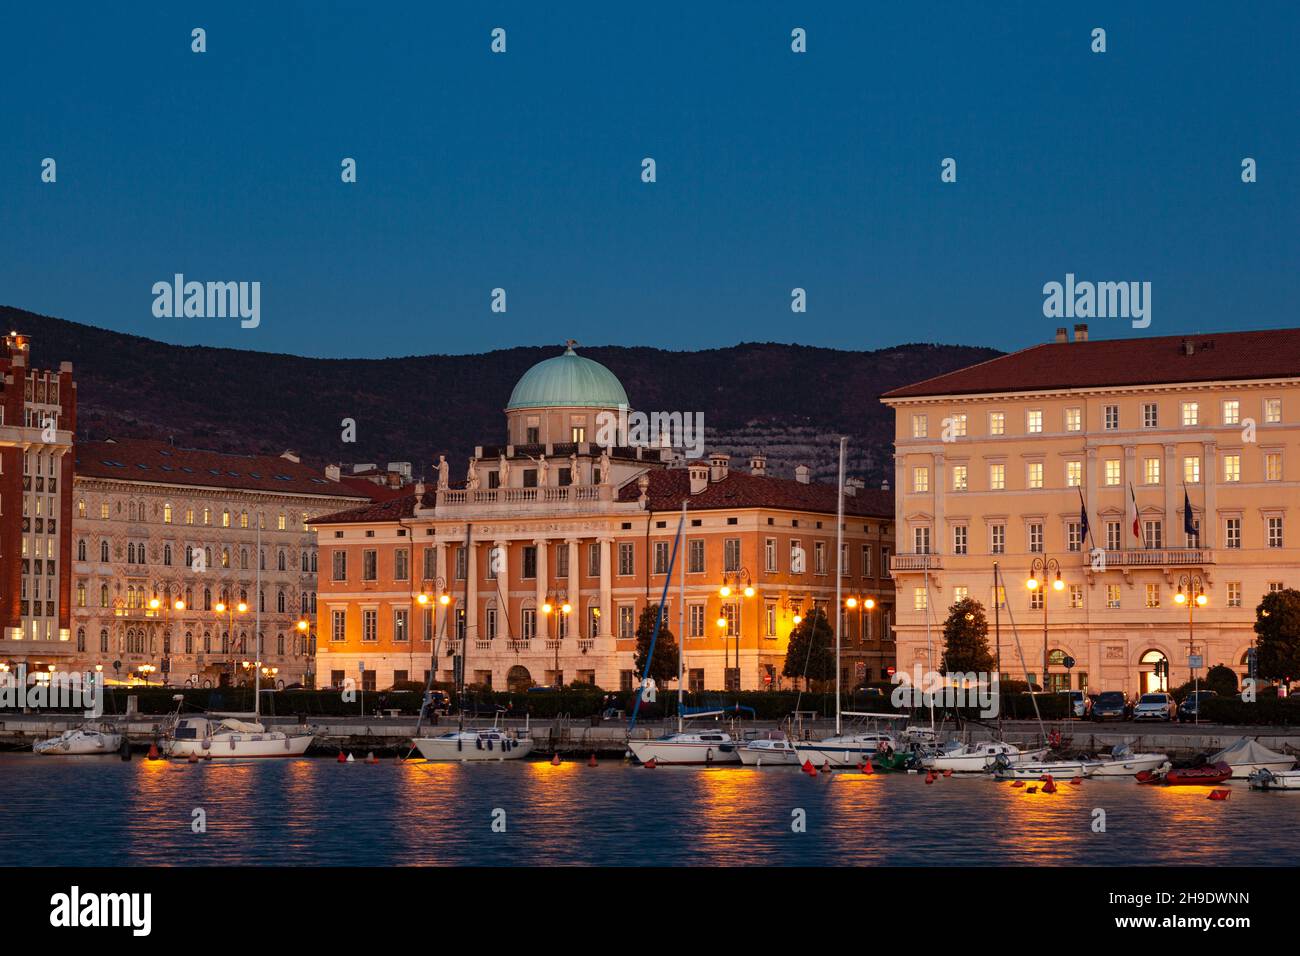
243	559
279	601
167	554
103	641
139	552
207	599
81	639
103	551
189	642
279	644
103	596
81	549
130	553
282	561
1153	672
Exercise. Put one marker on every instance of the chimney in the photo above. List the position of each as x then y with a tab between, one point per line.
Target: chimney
643	486
851	486
1189	347
332	472
291	455
718	465
801	474
758	465
1081	332
699	478
1061	335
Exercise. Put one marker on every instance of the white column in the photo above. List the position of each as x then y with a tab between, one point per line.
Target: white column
543	581
1210	479
471	601
501	555
606	588
574	587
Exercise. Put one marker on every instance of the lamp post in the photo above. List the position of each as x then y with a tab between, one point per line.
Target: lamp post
167	606
852	602
230	610
1049	568
1194	596
740	582
558	603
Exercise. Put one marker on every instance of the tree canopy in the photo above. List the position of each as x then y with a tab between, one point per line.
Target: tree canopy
966	639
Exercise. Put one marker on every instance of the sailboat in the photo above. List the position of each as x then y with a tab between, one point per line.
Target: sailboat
844	749
684	747
228	736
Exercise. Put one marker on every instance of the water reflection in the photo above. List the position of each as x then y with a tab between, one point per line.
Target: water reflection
99	811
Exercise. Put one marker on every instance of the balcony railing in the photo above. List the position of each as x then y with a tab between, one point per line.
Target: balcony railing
518	644
550	494
553	644
1159	558
586	643
915	562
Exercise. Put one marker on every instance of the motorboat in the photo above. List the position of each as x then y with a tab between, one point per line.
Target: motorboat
474	744
1122	762
80	741
1275	780
1004	769
1245	756
773	750
688	747
227	738
1207	775
976	757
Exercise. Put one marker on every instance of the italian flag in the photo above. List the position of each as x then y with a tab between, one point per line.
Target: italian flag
1137	529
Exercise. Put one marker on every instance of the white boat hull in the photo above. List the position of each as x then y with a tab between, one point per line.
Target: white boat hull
1057	769
752	756
1275	780
976	762
836	753
467	750
668	752
1131	766
79	746
1241	771
238	746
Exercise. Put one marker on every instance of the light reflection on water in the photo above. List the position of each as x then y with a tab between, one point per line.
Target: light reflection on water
101	811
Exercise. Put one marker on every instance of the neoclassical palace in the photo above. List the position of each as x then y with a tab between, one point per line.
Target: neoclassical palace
1157	479
536	567
180	554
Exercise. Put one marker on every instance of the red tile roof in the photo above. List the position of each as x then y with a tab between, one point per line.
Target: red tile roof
373	490
393	509
1218	356
135	459
742	490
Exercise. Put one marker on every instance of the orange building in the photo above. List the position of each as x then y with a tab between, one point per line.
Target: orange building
536	568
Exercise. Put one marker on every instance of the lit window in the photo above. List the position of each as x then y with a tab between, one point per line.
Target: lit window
1191	413
1275	532
1232	468
1153	595
1034	420
1272	410
1112	471
1035	478
957	426
1073	474
1150	415
1273	466
1074	419
919	602
920	479
958	477
1191	470
1151	470
920	426
1234	594
997	476
1112	595
1231	412
997	423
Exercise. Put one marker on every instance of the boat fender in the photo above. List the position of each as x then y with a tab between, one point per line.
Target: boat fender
1075	781
929	776
232	743
286	741
826	766
478	743
1017	783
489	743
1031	789
708	756
947	773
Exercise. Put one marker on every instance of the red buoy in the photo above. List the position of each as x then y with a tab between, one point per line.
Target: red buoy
929	776
1220	794
826	766
809	768
194	758
867	768
153	750
343	758
591	761
1017	783
650	764
1031	789
555	761
947	773
1075	781
1049	785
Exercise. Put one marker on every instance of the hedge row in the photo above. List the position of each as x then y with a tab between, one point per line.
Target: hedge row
1273	711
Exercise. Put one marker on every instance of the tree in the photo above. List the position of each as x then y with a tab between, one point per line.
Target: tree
1277	630
664	667
810	652
1221	679
966	640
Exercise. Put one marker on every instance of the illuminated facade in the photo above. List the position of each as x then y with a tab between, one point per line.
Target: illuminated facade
37	419
165	554
537	566
1001	462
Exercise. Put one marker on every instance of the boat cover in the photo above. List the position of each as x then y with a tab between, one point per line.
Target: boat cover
1247	751
242	726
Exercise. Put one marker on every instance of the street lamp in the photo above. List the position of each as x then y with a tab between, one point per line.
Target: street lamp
565	609
735	582
1194	596
1050	569
221	607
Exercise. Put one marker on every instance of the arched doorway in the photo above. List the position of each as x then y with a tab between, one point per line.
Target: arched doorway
1058	675
518	680
1149	681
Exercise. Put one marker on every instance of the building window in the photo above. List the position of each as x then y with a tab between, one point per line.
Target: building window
1076	596
769	555
401	564
1036	600
369	565
1153	595
1112	471
338	626
920	479
695	556
340	565
866	560
1151	470
1036	537
1034	420
920	426
997	476
1273	466
400	618
957	426
1073	474
1035	474
1231	412
528	623
1234	594
1191	414
997	539
626	559
661	557
1153	534
1275	532
1110	418
921	540
1150	415
1231	468
1191	469
769	620
819	557
529	569
1074	419
1112	596
997	423
958	477
1114	536
1073	536
1272	410
959	539
919	602
731	554
626	621
1232	533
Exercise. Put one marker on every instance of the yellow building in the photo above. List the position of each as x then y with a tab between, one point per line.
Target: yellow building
1085	454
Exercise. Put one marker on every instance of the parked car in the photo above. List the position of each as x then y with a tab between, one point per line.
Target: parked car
438	702
1191	705
1110	705
1154	707
1078	702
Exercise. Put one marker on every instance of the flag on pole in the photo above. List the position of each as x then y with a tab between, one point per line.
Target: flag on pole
1085	532
1189	524
1137	528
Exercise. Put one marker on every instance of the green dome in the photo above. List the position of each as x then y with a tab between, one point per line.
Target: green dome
568	380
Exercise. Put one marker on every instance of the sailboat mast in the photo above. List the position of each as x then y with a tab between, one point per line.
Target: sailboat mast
257	628
929	646
839	580
681	621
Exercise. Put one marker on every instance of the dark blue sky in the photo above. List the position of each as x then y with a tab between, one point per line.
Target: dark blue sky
522	170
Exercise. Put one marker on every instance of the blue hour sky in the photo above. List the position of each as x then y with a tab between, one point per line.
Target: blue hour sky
522	170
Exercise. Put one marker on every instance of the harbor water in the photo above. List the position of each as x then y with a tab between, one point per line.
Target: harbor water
100	811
